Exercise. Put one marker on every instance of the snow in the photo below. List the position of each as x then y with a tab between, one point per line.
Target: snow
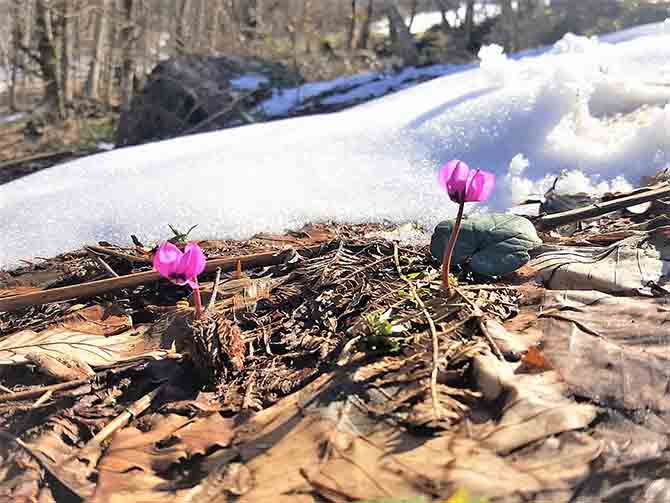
346	90
8	119
455	17
249	82
594	111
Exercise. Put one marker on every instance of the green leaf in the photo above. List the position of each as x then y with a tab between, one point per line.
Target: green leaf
493	244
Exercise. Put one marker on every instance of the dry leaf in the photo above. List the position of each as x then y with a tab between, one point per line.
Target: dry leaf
61	367
59	342
535	359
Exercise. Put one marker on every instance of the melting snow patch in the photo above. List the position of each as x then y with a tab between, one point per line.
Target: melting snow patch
593	111
249	82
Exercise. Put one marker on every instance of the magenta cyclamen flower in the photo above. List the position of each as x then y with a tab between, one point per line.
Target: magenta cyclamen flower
180	268
465	185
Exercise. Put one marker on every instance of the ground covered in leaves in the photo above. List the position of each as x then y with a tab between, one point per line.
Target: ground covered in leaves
332	366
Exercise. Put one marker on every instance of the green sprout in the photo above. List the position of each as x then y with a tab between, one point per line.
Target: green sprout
180	237
381	333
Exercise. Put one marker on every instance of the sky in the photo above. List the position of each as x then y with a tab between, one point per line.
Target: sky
594	110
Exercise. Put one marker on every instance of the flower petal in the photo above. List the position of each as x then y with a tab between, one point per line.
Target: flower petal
167	259
458	182
446	171
480	186
193	261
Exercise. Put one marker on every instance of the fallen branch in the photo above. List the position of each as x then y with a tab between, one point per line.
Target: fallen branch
546	222
94	288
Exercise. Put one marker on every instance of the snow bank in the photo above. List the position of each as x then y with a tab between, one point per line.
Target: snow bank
594	109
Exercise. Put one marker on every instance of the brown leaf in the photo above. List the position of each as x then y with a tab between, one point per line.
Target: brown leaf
137	463
61	367
535	359
95	350
98	320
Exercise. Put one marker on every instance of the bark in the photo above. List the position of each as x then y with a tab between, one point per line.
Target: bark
16	14
95	68
443	7
128	37
469	21
111	62
412	14
67	47
403	41
49	58
510	25
351	33
365	29
182	26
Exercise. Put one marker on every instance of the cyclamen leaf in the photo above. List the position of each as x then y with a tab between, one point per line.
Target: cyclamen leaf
493	244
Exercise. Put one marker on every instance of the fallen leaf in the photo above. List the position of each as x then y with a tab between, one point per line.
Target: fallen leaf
535	359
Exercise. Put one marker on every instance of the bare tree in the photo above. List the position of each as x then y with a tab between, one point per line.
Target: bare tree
403	43
49	57
469	24
365	28
182	34
95	68
68	69
351	32
129	38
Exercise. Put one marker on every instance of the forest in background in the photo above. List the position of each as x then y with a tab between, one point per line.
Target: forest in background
55	54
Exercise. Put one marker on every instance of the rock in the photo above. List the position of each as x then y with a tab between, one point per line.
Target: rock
197	94
493	244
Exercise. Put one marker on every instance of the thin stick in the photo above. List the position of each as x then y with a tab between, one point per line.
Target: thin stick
135	409
433	332
547	222
94	288
102	262
32	393
120	254
215	290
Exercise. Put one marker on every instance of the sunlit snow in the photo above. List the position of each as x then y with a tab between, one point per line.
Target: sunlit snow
596	110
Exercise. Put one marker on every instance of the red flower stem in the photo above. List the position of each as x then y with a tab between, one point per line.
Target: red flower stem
446	260
198	303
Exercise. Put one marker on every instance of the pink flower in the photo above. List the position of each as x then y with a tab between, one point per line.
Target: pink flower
180	268
465	185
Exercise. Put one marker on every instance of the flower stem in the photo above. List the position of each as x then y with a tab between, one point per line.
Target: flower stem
198	303
449	251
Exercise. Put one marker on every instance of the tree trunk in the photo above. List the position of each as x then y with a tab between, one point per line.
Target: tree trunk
16	13
128	37
182	27
351	32
403	41
443	7
365	29
469	22
412	14
510	25
109	82
95	69
68	69
49	58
